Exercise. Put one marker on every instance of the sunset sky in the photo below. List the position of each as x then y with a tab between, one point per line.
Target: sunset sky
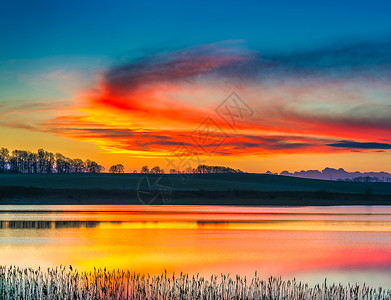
255	85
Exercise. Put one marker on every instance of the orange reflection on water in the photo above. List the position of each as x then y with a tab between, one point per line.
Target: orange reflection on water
199	240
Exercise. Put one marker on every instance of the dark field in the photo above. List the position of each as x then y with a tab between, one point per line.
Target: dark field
204	189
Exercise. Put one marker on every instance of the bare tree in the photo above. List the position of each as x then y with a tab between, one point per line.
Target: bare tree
45	161
118	168
93	167
4	158
144	170
63	164
22	161
157	170
78	165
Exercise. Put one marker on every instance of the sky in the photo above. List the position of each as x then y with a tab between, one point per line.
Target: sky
254	85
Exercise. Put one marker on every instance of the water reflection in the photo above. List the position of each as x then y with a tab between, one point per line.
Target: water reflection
337	243
48	224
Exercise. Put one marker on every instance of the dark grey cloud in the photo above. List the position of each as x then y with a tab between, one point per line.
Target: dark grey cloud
341	56
134	139
365	58
359	145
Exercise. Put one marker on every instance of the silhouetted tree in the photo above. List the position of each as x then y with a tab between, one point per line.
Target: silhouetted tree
22	161
118	168
13	162
16	161
32	162
144	170
189	170
202	169
156	170
45	161
63	164
93	167
4	158
78	165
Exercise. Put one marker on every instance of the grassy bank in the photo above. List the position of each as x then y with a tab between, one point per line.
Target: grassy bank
64	283
216	189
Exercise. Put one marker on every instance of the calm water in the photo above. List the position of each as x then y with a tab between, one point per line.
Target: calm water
344	244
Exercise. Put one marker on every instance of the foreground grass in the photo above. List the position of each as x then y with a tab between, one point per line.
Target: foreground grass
64	283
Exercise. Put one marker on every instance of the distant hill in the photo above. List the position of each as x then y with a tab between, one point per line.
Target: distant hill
339	174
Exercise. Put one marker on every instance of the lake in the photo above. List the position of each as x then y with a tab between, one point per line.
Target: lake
344	244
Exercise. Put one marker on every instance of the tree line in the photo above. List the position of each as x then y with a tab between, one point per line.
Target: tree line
27	162
201	169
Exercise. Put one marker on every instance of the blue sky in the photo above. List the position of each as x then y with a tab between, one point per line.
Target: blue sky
331	58
36	29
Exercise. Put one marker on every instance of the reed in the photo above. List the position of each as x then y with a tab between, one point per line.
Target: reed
65	283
